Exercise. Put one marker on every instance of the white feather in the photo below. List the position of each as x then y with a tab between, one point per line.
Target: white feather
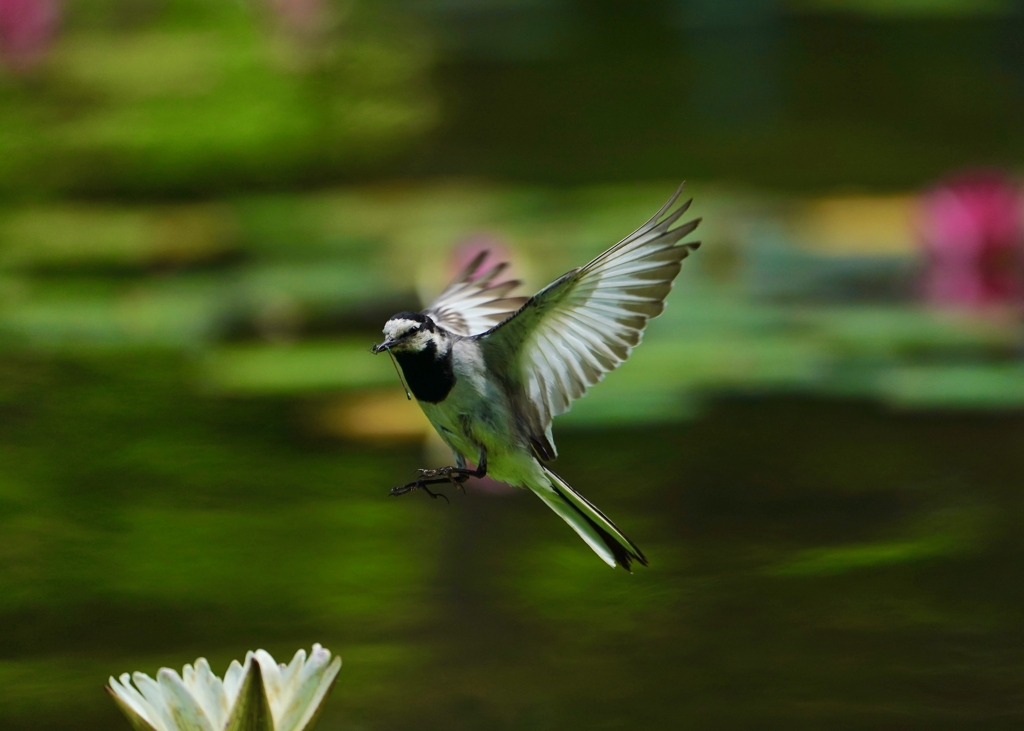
569	335
472	304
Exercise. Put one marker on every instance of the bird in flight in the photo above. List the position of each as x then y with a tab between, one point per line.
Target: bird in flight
491	371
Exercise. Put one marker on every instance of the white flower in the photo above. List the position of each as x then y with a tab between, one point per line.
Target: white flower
257	696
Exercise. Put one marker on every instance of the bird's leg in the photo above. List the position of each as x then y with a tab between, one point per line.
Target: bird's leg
457	476
421	484
452	475
460	471
457	479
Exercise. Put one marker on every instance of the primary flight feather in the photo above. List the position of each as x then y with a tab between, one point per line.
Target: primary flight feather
491	371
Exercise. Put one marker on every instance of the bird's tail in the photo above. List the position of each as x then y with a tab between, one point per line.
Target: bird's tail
594	527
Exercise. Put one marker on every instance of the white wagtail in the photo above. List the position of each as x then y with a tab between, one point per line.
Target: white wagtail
491	371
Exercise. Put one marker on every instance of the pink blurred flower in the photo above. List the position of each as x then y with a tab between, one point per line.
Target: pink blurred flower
972	227
301	18
27	28
468	249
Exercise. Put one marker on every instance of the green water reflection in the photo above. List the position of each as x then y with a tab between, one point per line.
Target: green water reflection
204	222
813	563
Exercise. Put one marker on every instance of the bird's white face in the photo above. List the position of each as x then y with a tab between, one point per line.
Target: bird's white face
405	335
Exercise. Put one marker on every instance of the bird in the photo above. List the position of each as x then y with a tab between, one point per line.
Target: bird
491	371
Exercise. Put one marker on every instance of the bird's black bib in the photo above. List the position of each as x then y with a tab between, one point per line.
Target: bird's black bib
430	378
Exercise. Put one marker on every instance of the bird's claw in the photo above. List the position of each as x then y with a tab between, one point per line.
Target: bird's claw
440	472
455	475
416	485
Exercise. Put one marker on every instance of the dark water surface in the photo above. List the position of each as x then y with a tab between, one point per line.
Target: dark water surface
814	564
756	96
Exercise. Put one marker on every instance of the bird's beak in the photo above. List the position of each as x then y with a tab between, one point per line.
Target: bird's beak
382	347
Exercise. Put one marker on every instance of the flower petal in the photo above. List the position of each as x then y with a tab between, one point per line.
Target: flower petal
315	680
154	695
131	695
131	707
208	690
290	675
320	697
271	680
233	679
252	710
258	695
184	709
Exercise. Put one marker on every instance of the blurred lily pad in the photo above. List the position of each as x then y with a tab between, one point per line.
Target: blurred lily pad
203	103
81	238
280	369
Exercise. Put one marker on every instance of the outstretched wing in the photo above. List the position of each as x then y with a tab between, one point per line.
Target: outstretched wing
472	304
583	325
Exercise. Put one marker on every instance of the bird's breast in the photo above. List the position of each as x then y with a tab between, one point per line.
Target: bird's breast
430	378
